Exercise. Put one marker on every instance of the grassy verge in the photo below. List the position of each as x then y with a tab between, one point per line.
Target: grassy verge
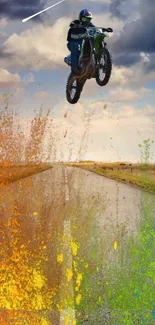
142	176
9	174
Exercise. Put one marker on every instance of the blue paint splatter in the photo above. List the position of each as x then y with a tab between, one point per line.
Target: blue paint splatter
137	294
143	320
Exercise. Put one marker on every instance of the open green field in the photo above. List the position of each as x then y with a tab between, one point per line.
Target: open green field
140	175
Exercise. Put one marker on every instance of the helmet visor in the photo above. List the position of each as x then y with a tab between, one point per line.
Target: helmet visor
86	19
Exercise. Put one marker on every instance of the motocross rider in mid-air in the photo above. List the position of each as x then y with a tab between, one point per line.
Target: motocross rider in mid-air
76	34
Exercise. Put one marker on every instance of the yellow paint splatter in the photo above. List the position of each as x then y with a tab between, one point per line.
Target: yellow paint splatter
44	322
74	247
38	279
67	320
78	298
75	265
59	307
78	281
37	302
70	320
60	258
69	274
115	245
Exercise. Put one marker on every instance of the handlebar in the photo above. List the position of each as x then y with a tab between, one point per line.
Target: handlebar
98	30
108	30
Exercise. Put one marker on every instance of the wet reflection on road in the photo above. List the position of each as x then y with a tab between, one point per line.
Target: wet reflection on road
84	256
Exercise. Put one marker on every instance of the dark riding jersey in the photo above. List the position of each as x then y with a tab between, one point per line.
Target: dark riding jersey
77	30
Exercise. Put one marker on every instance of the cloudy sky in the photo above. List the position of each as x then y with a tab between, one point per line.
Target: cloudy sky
108	123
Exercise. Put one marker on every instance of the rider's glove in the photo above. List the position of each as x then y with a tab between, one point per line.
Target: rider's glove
109	30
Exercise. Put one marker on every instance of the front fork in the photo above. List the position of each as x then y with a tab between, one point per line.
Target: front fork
104	45
94	54
94	58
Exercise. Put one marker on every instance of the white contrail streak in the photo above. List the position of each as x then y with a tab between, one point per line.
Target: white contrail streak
38	13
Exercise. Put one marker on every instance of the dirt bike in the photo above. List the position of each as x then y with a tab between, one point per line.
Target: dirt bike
94	59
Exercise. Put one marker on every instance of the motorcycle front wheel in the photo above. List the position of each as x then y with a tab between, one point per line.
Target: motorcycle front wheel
104	69
73	89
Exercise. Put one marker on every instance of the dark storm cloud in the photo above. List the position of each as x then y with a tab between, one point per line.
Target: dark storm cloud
137	36
126	59
15	9
19	9
115	8
72	8
123	9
